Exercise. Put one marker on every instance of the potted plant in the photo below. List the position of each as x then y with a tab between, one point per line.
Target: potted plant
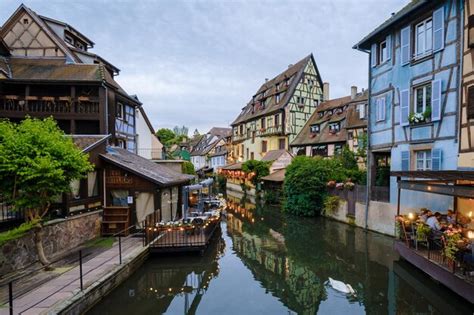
451	248
349	185
331	184
416	118
340	186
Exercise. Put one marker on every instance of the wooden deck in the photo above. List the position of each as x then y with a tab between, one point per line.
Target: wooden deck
177	240
462	285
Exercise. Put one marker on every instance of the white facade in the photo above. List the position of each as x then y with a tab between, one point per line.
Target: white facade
148	145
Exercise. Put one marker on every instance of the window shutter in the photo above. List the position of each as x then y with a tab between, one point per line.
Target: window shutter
382	108
470	102
438	29
436	100
373	55
388	40
404	107
405	160
405	45
436	159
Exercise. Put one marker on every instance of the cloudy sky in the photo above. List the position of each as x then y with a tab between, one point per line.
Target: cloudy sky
197	63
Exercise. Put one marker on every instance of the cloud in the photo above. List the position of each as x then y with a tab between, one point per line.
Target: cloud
197	63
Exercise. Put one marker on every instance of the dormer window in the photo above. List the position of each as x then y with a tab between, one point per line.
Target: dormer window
314	128
339	111
68	39
277	98
321	114
334	127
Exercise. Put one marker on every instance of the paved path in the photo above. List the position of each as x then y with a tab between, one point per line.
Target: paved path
66	285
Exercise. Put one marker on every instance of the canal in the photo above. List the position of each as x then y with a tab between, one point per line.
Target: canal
266	263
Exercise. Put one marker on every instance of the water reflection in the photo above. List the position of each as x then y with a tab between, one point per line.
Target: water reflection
267	263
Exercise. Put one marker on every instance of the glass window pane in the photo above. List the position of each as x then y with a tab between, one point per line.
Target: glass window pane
419	100
428	96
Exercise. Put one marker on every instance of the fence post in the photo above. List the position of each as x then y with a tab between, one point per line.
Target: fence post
120	249
10	296
80	269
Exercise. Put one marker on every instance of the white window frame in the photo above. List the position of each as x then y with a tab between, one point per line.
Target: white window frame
425	157
426	45
314	128
383	57
380	108
415	100
361	109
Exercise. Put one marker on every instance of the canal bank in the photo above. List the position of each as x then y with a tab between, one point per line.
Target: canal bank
268	263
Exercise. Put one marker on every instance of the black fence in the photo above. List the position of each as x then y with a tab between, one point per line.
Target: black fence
10	216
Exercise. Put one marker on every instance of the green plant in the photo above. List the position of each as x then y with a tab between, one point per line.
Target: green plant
37	164
16	232
188	168
258	168
382	176
427	113
221	183
331	204
451	247
348	159
422	231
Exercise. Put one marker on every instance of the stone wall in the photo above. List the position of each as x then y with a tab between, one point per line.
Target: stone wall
59	236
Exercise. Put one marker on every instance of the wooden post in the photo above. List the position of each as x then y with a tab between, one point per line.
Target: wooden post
398	196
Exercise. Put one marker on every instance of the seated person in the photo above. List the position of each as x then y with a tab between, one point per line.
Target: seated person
433	222
451	217
425	214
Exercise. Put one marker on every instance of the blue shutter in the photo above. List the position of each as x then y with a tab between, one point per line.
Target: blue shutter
404	107
373	55
436	100
405	157
438	29
405	45
389	46
436	159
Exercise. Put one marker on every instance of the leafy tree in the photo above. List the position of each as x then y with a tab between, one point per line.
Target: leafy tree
181	131
37	164
348	159
259	168
165	135
188	168
362	147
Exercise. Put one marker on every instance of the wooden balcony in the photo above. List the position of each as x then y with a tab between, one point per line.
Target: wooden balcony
13	104
237	138
270	131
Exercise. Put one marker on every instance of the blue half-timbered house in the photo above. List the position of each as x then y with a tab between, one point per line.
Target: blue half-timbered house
414	80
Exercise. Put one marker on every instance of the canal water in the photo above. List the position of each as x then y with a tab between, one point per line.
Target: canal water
263	262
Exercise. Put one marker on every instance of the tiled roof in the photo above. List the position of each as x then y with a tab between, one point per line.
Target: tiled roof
349	118
144	168
88	142
277	176
395	18
250	111
273	155
53	69
220	131
233	167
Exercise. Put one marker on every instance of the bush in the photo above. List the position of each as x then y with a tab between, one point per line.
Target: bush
221	183
305	184
188	168
260	168
331	203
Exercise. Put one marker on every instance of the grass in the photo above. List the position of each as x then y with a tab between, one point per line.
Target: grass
102	242
16	232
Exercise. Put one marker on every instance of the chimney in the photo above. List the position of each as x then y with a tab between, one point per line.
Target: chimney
290	65
325	91
353	92
266	80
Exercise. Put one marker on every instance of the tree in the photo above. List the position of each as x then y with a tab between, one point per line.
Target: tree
37	164
259	168
348	159
181	131
165	135
188	168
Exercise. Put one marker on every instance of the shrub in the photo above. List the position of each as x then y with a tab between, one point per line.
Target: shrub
260	168
221	183
16	232
331	203
188	168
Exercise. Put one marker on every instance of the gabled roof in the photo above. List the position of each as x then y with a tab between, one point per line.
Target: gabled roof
274	155
220	131
294	72
88	142
69	28
144	168
396	19
277	176
349	118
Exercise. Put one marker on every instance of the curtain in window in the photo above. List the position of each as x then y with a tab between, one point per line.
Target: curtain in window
144	206
92	184
119	198
75	189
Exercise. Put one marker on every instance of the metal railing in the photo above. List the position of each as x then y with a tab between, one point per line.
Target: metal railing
123	243
39	104
8	215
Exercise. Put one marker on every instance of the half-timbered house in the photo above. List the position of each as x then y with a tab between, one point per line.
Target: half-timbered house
278	111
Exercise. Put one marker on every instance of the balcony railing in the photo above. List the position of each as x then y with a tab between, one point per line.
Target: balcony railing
53	105
239	137
269	131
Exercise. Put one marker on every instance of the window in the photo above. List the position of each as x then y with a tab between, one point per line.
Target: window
119	110
253	136
277	98
423	160
334	127
241	129
277	86
92	184
424	38
252	157
422	98
264	146
361	110
25	21
470	102
276	120
319	150
350	135
314	128
310	82
471	31
281	144
383	52
380	109
300	100
315	103
337	149
262	123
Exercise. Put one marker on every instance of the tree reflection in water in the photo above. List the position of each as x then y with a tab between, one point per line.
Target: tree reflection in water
269	263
